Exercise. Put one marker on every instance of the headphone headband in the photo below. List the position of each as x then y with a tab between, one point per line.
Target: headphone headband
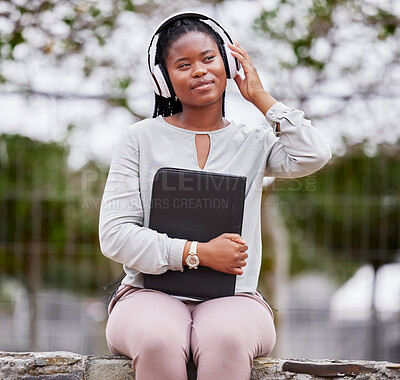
194	15
157	79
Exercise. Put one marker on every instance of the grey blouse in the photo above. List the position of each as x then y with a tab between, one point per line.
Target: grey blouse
255	152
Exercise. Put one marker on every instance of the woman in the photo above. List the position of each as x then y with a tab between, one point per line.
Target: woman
188	130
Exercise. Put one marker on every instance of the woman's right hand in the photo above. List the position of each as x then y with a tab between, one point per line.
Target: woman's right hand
225	253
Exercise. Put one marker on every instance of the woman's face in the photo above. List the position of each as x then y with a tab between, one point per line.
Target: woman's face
196	70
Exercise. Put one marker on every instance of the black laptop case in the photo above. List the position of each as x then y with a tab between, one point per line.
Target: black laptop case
195	205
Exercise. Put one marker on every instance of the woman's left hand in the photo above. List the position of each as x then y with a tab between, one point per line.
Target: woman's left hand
250	86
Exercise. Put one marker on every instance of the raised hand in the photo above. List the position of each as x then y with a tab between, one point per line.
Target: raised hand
250	86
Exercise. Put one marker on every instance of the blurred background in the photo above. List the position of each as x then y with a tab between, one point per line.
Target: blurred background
73	75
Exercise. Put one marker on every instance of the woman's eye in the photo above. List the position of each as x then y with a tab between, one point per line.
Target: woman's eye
209	58
183	65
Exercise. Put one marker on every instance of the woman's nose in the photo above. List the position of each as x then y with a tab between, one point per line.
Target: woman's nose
199	71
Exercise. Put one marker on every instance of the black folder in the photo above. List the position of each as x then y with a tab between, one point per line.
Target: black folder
195	205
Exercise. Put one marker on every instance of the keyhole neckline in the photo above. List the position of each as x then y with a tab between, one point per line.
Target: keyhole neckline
197	151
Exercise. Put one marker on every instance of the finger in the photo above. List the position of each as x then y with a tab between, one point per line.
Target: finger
236	46
236	42
243	248
241	241
239	50
235	237
236	50
246	62
237	271
238	79
231	236
242	262
237	53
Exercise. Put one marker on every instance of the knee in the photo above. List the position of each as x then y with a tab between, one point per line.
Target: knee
240	344
222	354
221	343
159	356
163	343
154	342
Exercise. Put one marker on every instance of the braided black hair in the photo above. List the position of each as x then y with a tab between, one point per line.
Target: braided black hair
168	35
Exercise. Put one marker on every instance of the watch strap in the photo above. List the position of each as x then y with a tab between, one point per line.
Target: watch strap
193	248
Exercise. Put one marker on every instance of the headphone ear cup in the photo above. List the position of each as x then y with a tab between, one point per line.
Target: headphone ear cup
159	82
233	63
154	83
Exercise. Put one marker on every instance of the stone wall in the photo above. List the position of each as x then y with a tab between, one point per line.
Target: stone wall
70	366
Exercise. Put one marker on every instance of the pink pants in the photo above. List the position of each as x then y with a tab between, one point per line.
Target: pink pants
158	332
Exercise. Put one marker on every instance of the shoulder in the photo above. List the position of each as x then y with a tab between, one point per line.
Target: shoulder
143	126
141	131
132	136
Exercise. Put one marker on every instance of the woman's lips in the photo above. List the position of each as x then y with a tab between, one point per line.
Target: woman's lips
202	85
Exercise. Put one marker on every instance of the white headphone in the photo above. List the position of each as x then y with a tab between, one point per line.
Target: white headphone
158	74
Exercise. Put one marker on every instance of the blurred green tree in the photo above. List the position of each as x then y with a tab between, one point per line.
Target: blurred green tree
338	61
49	216
48	220
74	36
346	215
312	33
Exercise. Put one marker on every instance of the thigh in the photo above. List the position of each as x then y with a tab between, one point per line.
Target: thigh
146	318
243	321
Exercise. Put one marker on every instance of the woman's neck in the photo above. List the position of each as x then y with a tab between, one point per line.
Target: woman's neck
199	119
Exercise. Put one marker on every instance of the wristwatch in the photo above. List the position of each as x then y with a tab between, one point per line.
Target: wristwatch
192	260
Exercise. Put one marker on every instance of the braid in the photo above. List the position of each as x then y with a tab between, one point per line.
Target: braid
170	34
166	106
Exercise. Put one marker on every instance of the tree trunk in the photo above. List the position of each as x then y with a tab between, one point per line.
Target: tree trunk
275	268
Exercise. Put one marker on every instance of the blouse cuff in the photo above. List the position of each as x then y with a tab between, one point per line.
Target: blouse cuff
275	114
175	254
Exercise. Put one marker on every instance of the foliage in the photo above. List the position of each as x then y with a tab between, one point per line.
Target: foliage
338	61
76	23
49	216
68	37
318	20
346	214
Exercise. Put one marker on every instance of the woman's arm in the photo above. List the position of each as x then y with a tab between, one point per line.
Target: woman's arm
122	235
296	149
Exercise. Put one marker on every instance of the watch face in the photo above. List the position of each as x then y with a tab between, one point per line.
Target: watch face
193	261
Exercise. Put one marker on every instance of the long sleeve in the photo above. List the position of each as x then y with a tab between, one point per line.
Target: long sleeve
123	238
297	149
